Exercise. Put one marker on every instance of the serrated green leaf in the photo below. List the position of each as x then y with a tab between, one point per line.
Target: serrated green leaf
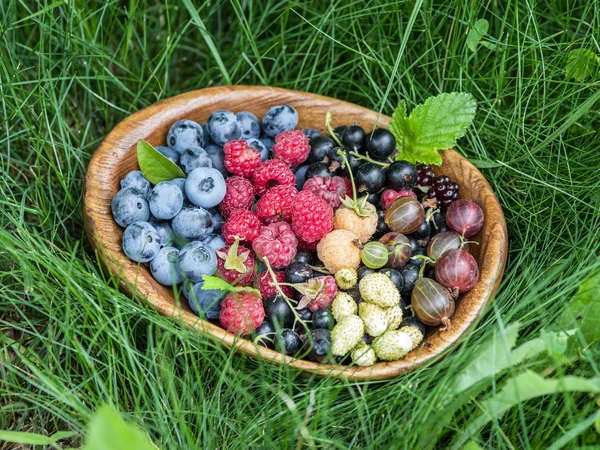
155	166
21	437
108	431
211	282
581	64
476	33
583	312
434	125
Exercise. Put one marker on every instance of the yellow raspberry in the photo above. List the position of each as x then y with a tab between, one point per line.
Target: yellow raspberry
363	226
339	249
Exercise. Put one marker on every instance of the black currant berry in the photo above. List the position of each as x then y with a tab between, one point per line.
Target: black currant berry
318	169
278	311
320	345
414	243
412	321
382	227
287	341
298	272
401	175
370	177
311	133
305	314
381	144
265	335
395	276
374	198
410	273
304	256
362	271
423	233
439	222
322	318
320	147
418	252
354	137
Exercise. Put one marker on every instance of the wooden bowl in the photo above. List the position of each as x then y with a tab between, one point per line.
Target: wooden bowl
116	156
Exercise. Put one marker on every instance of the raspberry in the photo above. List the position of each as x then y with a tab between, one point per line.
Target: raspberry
243	224
239	194
317	292
330	189
264	284
339	249
389	195
240	158
277	243
276	204
291	147
310	246
272	172
312	217
363	226
236	264
241	312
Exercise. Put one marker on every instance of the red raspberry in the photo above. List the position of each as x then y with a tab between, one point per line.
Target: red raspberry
312	217
276	204
311	247
317	293
291	147
277	243
243	224
240	158
236	264
330	189
272	172
239	194
264	284
389	195
242	312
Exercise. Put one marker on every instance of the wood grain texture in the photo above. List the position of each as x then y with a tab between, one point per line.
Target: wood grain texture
116	156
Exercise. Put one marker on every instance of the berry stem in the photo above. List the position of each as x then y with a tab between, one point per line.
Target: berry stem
341	153
278	285
369	159
426	260
320	269
330	129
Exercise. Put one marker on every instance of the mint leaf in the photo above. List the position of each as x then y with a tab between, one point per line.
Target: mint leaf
581	64
476	33
155	166
434	125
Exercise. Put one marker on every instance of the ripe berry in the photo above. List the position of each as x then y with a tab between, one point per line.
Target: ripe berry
405	215
298	272
395	276
322	318
457	270
320	350
291	147
444	191
354	137
287	341
264	284
432	303
318	169
398	247
265	335
277	243
242	224
410	273
279	119
423	233
330	189
465	217
401	175
241	312
276	204
303	256
272	172
425	175
381	144
239	194
320	148
240	158
312	217
278	312
370	177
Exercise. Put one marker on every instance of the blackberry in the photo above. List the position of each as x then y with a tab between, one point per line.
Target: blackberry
425	175
444	190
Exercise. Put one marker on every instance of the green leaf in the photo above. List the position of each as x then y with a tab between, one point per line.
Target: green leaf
583	312
211	282
521	388
476	33
155	166
108	431
434	125
21	437
581	64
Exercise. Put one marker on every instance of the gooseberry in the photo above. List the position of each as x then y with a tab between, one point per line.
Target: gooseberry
457	270
405	215
432	303
398	247
374	255
464	217
443	242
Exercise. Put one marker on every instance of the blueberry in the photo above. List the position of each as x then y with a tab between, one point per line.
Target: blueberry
141	242
381	144
300	174
278	311
194	157
320	147
322	318
311	133
267	141
204	302
192	223
216	155
257	144
217	219
320	350
130	205
197	259
164	230
215	241
207	139
136	180
287	341
180	183
169	153
166	200
279	119
165	266
205	187
184	134
298	272
265	335
249	123
223	127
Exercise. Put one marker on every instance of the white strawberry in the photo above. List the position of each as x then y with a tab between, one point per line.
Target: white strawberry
374	318
394	317
343	305
415	335
377	288
346	334
363	355
392	345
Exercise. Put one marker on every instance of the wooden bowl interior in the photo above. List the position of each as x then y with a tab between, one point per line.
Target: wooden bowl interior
117	156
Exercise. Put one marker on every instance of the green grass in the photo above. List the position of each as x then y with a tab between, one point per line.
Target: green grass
71	341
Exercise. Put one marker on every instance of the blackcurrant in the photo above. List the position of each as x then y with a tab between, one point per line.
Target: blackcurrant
381	144
322	318
320	147
401	175
298	272
362	271
410	273
304	256
278	311
374	198
311	133
265	335
423	233
305	314
320	345
354	137
318	169
287	341
370	178
395	276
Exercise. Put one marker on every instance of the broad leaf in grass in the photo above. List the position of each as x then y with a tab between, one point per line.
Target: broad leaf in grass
476	33
155	166
583	312
581	64
21	437
108	431
434	125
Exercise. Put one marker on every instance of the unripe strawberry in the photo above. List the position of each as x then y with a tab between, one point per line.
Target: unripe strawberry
363	355
373	317
379	289
392	345
346	334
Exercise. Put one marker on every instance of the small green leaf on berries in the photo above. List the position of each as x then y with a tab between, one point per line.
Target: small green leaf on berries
155	166
215	283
